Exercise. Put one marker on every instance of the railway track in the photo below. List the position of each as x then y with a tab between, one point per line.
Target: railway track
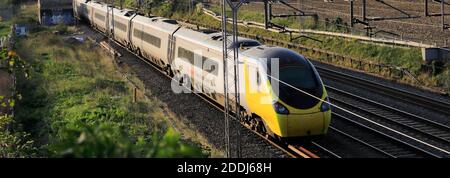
361	136
379	141
431	136
402	95
337	131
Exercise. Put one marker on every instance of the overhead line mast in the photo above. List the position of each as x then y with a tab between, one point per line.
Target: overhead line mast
230	51
230	54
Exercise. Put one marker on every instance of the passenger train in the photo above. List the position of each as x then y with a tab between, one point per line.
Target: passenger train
196	55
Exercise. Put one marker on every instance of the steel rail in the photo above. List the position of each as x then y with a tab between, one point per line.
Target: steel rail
400	94
410	147
414	123
362	142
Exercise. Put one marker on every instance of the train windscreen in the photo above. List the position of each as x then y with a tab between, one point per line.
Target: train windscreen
299	76
298	73
295	70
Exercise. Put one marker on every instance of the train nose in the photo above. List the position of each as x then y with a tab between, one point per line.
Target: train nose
306	124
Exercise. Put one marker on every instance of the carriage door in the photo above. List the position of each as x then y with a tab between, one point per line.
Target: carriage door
210	76
171	49
111	25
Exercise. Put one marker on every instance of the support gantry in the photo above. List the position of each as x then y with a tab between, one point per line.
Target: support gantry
365	20
269	15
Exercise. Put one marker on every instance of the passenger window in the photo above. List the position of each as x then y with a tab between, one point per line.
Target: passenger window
210	66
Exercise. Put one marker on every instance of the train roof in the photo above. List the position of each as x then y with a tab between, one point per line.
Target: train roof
210	38
161	23
98	5
123	13
127	13
284	55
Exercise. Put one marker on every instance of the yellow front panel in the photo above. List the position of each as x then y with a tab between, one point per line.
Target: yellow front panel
304	125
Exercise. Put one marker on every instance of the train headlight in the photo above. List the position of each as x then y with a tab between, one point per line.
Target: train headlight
325	105
280	109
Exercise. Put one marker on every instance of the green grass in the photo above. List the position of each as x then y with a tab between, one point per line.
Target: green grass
5	28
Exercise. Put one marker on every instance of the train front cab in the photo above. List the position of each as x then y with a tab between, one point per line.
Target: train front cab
288	113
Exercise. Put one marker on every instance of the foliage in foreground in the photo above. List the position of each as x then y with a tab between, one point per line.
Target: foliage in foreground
14	144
